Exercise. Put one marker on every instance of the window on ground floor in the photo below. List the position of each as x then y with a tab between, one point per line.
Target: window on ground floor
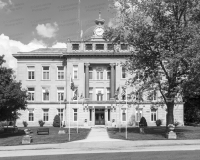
153	115
45	115
75	115
30	114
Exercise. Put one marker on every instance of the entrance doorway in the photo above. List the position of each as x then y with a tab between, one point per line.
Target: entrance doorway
99	116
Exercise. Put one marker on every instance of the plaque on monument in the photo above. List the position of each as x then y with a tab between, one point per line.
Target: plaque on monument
61	132
171	135
27	139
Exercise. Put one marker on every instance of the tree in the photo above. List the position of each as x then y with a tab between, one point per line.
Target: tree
12	97
164	38
56	121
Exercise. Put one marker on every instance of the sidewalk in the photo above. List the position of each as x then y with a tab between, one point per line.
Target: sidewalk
98	134
99	142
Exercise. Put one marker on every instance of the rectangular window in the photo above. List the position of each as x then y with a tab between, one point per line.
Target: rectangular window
45	115
152	96
45	94
60	113
88	47
75	46
138	114
75	72
45	72
108	94
60	72
108	74
124	46
60	94
99	96
31	94
99	46
139	75
110	47
30	114
99	75
123	115
123	72
90	93
90	114
153	114
108	114
75	114
31	72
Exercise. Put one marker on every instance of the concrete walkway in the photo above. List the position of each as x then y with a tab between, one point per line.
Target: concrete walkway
98	134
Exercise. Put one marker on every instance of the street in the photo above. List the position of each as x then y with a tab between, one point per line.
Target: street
156	155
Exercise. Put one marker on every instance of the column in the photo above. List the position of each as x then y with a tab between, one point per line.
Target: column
112	82
87	80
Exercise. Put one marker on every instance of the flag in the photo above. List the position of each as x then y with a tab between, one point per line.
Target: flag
72	85
123	94
117	93
75	94
81	96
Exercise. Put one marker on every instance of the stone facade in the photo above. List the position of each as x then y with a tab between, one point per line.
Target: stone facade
96	73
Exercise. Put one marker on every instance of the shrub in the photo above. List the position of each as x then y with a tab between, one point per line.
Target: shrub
143	122
41	123
158	122
25	123
176	123
56	121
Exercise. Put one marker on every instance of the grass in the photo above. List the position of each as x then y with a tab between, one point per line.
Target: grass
155	133
12	139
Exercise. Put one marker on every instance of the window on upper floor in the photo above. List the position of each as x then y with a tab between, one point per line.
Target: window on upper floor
108	73
45	94
31	94
75	94
60	94
90	73
152	96
99	74
110	47
45	72
60	72
108	94
75	47
124	75
31	72
90	93
88	46
75	71
99	46
124	46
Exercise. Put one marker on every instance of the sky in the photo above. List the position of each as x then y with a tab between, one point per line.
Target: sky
26	25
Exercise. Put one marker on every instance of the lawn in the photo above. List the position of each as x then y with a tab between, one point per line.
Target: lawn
12	139
154	133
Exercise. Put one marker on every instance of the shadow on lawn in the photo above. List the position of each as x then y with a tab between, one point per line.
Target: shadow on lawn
154	131
11	134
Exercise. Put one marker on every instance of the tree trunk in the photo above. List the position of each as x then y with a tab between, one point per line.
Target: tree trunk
170	113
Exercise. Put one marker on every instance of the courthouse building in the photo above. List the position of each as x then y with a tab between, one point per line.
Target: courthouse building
96	72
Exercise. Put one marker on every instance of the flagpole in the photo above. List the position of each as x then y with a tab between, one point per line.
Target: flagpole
77	111
119	109
126	112
69	105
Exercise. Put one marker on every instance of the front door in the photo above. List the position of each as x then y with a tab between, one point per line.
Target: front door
99	117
